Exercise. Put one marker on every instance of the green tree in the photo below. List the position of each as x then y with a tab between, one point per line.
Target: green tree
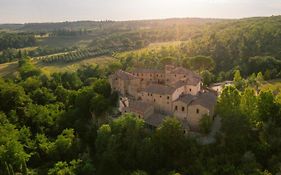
238	80
168	143
205	124
118	144
102	87
260	77
229	101
208	77
12	151
65	168
248	105
201	63
267	108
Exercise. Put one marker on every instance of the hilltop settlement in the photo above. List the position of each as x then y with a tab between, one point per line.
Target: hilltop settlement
153	94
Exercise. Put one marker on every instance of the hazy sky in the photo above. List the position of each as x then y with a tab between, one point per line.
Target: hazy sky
20	11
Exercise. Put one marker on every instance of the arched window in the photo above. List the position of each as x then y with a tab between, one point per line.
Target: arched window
182	109
176	108
197	111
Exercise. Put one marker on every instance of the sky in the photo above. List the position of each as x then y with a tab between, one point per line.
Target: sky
26	11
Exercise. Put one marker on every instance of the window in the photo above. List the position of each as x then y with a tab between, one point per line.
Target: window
197	111
160	96
184	76
154	100
175	75
142	79
147	94
182	108
176	108
168	98
190	90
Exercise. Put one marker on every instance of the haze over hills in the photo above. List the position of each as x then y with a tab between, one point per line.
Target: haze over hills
77	25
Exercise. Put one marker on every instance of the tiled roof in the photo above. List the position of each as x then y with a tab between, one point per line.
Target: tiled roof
181	70
125	75
159	89
187	98
139	106
192	81
207	100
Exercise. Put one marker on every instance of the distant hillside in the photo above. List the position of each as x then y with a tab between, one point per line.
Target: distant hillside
92	25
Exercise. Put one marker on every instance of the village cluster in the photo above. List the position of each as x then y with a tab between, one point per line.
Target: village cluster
154	94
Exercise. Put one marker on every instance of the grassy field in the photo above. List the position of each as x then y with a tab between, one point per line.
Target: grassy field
65	42
59	67
9	68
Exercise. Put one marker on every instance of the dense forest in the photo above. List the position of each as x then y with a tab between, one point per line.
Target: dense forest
68	123
16	40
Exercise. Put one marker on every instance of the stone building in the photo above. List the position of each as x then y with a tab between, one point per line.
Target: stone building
155	94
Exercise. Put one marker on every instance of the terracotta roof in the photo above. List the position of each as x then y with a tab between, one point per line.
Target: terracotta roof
192	81
181	70
124	75
207	100
187	98
159	89
179	84
155	119
139	106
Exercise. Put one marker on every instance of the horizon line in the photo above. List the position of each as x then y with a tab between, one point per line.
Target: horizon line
131	20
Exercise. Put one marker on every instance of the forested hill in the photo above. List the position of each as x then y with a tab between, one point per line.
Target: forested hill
233	43
91	25
244	43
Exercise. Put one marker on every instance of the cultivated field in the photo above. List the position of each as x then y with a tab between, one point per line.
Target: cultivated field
9	68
